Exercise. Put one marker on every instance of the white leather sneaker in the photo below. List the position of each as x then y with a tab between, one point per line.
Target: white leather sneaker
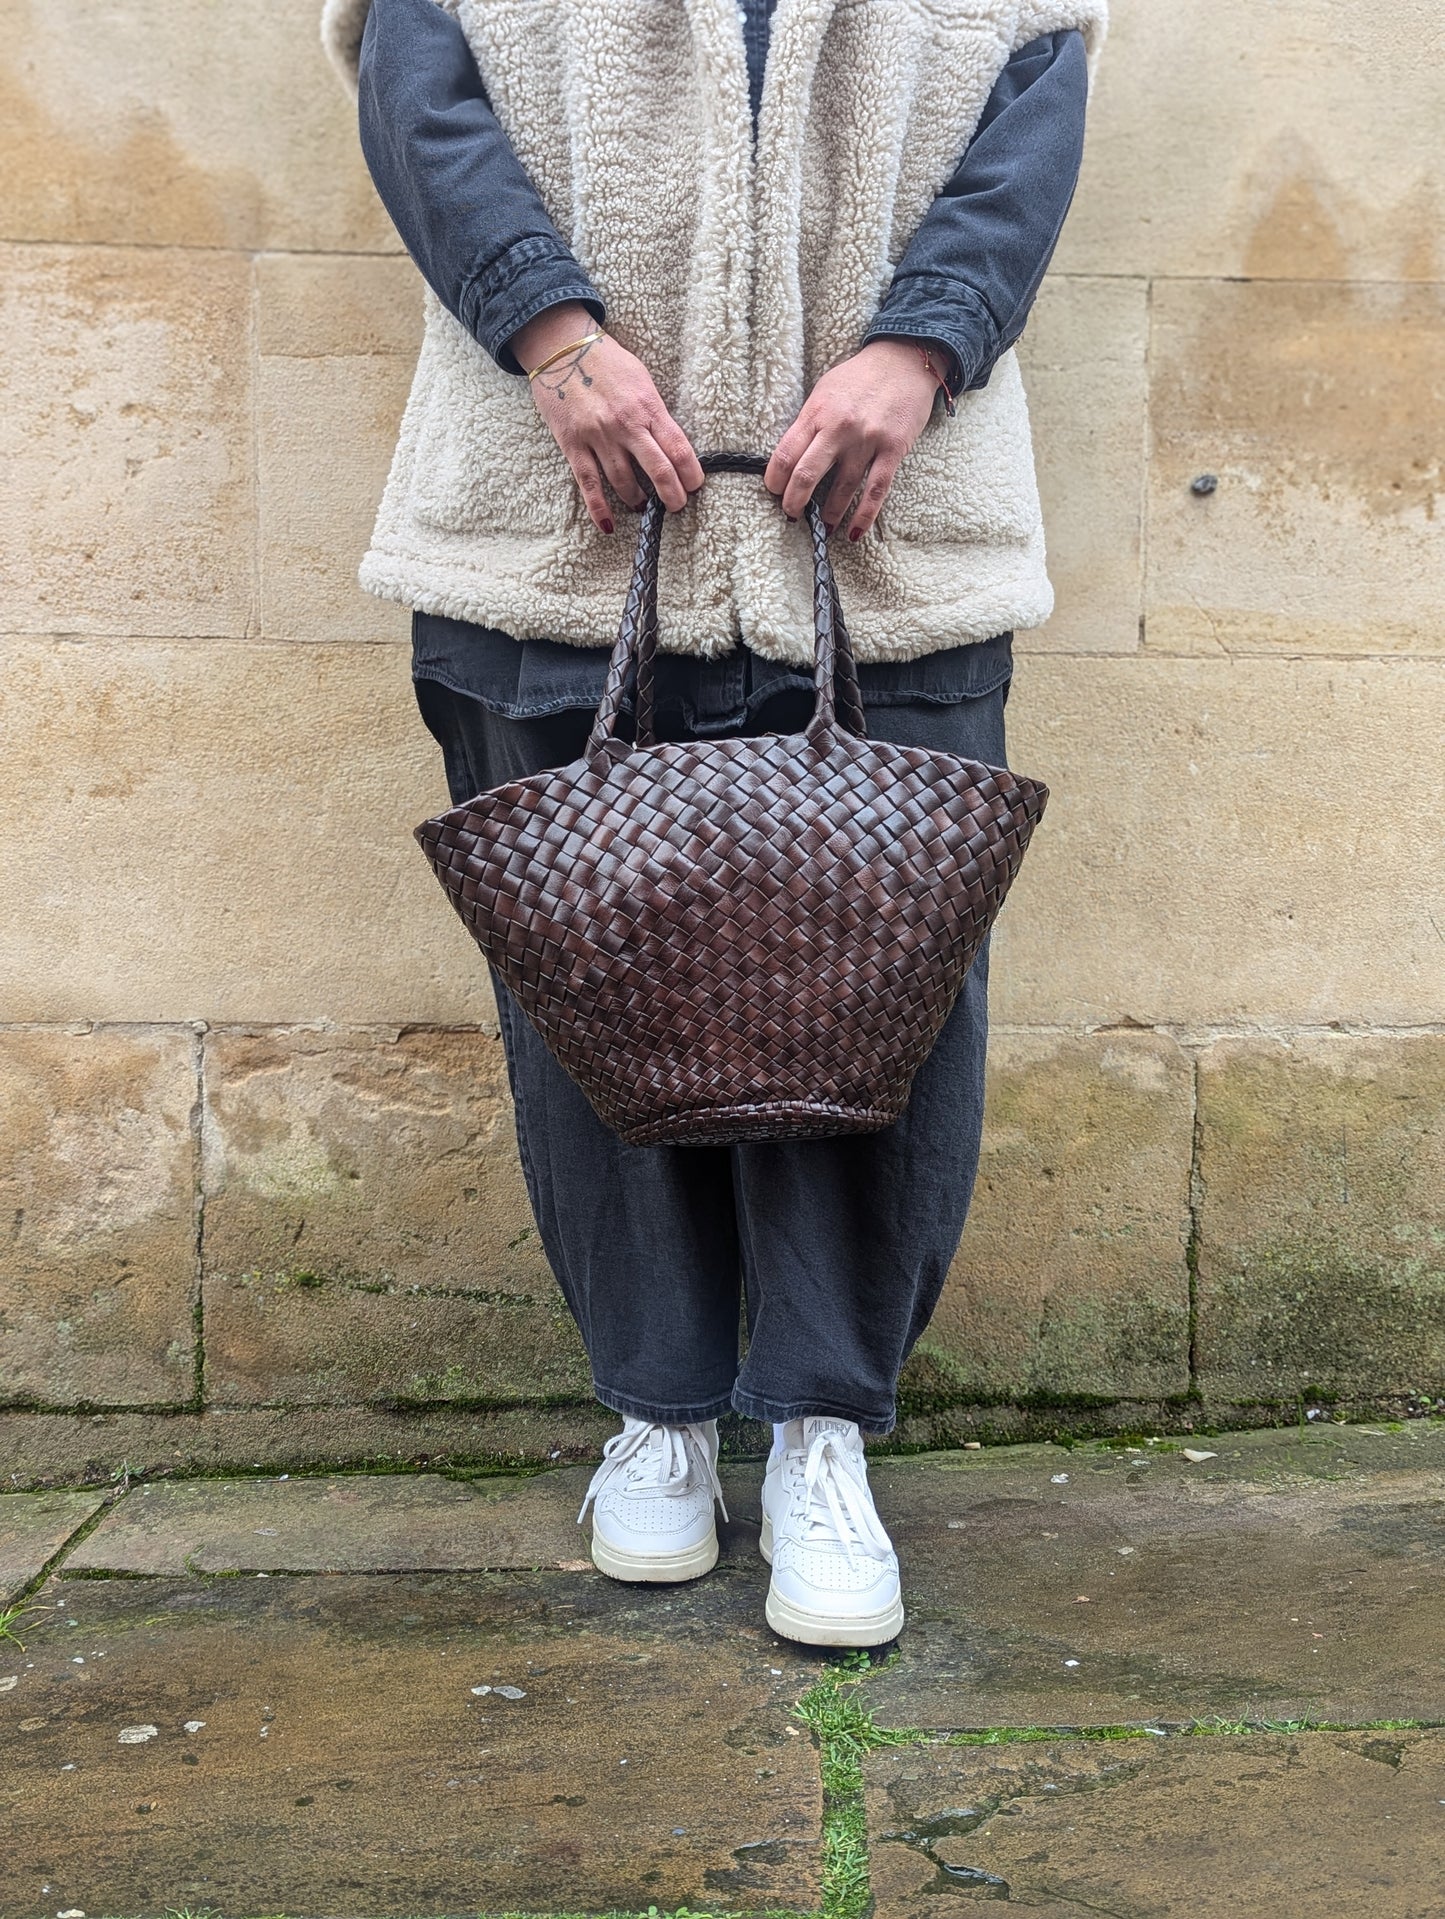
835	1573
652	1500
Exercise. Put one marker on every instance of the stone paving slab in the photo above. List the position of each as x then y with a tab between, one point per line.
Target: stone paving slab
33	1528
349	1523
1287	1578
1348	1826
366	1523
320	1748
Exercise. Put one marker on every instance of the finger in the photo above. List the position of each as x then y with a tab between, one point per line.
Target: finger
589	482
785	453
621	474
679	449
880	477
660	470
851	472
808	469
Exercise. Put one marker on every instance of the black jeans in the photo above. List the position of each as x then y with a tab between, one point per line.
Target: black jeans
838	1247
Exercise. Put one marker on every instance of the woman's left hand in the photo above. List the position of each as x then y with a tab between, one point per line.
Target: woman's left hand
862	418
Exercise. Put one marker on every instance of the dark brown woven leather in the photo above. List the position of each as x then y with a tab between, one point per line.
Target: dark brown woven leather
745	938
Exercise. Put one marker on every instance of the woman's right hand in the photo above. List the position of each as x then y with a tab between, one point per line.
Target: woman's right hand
605	413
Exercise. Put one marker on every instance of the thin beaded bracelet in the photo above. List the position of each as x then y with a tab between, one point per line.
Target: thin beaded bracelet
948	405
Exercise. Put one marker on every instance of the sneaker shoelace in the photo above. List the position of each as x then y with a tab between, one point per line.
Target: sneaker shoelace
832	1490
653	1458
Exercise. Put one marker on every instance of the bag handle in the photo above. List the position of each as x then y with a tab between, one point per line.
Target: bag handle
836	696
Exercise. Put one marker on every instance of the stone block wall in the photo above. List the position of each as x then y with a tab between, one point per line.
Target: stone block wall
256	1139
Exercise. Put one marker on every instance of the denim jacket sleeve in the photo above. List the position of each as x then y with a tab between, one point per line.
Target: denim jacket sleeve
477	229
970	273
465	208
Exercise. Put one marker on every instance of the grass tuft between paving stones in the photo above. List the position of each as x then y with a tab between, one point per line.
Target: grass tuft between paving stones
845	1732
10	1618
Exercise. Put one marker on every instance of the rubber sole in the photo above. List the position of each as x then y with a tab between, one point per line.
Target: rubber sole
825	1629
655	1569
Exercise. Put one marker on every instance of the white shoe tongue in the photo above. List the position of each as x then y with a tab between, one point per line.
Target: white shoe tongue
844	1428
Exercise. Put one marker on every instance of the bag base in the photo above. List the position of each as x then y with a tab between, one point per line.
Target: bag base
765	1119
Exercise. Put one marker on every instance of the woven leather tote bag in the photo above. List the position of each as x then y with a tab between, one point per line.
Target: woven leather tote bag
737	939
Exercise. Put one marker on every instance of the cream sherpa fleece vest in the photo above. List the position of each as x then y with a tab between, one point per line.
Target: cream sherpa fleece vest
739	276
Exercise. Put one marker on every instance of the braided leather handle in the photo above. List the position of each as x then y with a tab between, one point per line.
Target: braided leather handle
837	699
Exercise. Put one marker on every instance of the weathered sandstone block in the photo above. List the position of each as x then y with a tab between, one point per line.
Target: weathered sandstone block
380	1159
1322	1250
97	1186
125	432
1317	411
287	1339
338	342
223	833
1228	841
1298	140
1072	1276
367	1229
159	122
1084	360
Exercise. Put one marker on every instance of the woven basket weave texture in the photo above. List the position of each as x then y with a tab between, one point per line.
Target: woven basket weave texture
738	939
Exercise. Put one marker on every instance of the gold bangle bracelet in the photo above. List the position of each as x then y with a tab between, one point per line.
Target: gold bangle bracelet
588	339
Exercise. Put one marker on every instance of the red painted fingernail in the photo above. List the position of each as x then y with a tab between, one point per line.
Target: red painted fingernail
607	526
831	527
855	533
791	518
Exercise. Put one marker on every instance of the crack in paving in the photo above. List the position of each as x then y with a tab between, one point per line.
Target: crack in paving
961	1822
845	1735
